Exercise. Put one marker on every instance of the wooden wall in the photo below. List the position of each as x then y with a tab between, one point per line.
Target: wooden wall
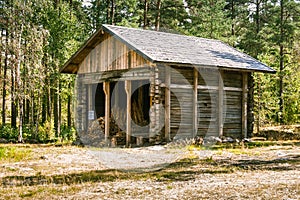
218	101
111	54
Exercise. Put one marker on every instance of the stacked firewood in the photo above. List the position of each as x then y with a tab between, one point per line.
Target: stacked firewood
113	127
117	123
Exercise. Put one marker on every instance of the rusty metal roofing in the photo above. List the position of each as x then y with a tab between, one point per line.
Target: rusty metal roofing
161	47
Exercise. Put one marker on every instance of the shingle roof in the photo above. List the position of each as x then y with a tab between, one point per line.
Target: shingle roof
175	48
180	49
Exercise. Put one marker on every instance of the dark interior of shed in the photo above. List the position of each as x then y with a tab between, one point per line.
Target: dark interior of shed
140	107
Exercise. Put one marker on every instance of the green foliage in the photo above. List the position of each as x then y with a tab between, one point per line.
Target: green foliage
14	154
42	34
8	132
68	133
207	19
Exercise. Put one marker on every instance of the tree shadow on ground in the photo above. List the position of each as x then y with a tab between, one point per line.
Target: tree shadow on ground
182	170
285	163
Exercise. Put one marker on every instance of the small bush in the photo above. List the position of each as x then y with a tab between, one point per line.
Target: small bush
8	132
46	132
68	133
14	153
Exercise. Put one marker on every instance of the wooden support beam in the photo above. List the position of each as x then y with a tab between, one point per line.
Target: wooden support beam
220	104
89	107
106	89
84	106
128	112
167	103
244	104
195	103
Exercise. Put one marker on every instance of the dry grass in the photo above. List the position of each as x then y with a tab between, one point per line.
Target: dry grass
260	171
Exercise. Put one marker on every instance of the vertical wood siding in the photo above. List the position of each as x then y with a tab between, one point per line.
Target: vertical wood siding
111	54
181	108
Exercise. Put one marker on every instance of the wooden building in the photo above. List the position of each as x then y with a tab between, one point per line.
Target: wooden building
161	86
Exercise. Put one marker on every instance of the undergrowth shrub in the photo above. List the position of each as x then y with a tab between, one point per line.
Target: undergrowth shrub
44	134
8	132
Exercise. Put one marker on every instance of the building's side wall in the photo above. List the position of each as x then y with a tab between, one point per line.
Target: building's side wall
232	110
111	54
208	105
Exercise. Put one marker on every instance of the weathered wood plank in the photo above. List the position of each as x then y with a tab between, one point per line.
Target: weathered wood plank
128	112
111	54
220	104
195	103
106	89
167	103
244	104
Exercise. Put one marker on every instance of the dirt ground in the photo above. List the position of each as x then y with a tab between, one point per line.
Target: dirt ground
158	172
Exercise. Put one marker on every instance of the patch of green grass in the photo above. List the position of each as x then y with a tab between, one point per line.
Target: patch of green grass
169	187
14	154
250	145
239	151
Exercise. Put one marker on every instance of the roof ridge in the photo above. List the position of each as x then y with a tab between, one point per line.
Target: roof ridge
166	33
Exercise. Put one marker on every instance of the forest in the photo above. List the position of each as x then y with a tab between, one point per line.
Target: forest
39	36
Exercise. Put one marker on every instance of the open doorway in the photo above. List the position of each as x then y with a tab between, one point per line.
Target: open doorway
140	106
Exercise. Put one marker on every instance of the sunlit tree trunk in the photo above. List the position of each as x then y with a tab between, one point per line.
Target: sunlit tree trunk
158	13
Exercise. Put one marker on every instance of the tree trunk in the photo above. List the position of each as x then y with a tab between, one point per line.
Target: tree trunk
257	16
55	112
232	17
13	101
145	13
108	20
157	18
4	82
112	12
49	101
250	106
19	87
38	114
281	64
44	106
69	110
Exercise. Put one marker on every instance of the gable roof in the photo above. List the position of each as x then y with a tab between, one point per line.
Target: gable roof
161	47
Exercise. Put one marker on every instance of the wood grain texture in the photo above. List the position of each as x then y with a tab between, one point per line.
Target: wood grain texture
109	55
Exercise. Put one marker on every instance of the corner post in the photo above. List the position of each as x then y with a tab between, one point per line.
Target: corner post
220	103
167	103
244	104
195	103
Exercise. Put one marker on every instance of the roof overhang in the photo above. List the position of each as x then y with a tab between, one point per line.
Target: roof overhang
72	65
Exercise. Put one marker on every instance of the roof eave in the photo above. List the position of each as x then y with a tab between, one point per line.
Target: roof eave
271	71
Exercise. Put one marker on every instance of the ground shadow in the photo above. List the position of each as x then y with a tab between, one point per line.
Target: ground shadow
181	170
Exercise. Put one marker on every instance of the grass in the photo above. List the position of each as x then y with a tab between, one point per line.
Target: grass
45	186
14	154
250	145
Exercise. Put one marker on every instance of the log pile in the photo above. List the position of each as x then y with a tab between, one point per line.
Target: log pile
117	125
118	136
